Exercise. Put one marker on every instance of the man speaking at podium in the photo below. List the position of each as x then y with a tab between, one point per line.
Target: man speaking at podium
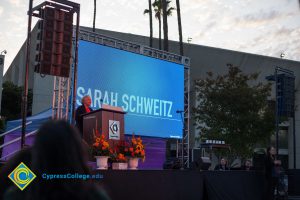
84	108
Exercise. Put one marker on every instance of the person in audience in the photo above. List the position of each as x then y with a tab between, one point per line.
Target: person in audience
222	166
58	149
272	172
247	166
24	156
83	109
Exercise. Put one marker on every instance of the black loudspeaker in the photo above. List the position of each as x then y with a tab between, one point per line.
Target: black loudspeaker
195	154
54	50
172	163
202	163
198	162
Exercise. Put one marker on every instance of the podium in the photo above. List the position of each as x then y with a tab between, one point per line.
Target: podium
108	120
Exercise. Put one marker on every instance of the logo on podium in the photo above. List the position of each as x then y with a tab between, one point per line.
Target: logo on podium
114	130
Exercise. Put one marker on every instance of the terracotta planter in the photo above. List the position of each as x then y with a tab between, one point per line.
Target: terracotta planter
101	162
133	163
120	166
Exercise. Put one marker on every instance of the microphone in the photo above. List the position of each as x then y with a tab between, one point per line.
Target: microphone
179	111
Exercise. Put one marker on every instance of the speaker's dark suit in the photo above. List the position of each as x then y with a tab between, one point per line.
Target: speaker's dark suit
78	117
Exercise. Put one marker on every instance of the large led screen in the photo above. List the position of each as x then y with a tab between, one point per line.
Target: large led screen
148	89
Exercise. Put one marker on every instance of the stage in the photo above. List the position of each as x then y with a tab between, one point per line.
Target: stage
182	185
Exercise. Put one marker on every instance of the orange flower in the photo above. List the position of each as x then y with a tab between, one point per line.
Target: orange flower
139	140
105	144
133	140
142	153
121	156
96	144
101	146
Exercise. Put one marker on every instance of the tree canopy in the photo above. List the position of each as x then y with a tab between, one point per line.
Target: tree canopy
12	100
234	108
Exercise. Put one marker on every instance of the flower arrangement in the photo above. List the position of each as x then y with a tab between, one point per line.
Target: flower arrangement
118	158
136	148
101	147
120	152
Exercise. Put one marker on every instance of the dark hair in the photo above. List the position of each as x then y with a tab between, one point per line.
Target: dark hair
58	150
226	161
268	150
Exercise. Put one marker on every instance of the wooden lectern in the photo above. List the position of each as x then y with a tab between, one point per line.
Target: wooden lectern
108	120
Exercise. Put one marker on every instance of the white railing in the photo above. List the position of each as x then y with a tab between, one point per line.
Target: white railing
14	140
18	127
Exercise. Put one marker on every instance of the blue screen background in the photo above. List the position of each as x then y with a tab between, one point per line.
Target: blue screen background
120	73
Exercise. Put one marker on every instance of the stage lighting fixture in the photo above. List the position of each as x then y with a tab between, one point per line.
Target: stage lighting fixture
3	52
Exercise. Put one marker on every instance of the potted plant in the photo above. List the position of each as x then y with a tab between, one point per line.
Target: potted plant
101	151
119	161
136	151
118	158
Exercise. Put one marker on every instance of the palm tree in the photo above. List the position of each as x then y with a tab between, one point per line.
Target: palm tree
179	27
146	11
94	20
157	5
157	9
165	24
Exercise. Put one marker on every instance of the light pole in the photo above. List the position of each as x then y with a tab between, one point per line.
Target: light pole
3	52
25	92
2	55
280	71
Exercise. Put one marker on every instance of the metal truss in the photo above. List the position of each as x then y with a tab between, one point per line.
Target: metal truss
60	100
132	47
70	106
183	145
186	136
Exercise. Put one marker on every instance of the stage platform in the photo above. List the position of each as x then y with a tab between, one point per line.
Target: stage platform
182	185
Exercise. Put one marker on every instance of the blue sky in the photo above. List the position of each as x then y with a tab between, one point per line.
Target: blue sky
266	27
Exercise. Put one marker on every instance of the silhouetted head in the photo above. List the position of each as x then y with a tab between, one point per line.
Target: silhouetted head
58	149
